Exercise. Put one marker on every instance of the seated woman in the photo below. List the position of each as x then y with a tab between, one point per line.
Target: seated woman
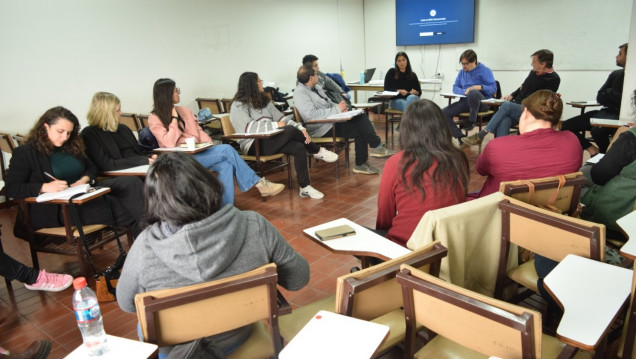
613	191
171	125
53	160
539	150
192	239
110	145
403	80
253	112
429	173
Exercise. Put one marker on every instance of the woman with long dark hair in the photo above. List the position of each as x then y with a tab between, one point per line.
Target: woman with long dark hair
171	125
191	238
253	112
53	160
429	173
402	79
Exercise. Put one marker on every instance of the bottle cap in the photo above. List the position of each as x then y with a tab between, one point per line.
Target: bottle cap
79	283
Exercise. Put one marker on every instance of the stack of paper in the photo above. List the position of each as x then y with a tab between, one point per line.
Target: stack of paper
348	114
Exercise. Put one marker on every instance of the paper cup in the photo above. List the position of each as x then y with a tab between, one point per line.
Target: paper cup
190	143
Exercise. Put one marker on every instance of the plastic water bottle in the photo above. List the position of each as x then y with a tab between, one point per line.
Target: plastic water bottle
362	78
89	318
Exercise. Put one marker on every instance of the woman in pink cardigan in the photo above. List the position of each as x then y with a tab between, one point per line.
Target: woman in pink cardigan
171	125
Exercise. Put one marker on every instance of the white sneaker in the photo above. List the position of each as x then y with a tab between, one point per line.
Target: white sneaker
309	191
326	155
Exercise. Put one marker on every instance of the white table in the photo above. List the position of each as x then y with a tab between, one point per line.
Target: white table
628	225
182	149
119	348
592	294
139	171
335	336
364	243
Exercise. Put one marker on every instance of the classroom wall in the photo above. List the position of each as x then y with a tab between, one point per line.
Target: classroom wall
504	42
61	52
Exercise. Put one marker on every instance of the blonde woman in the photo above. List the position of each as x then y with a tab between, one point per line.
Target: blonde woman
109	144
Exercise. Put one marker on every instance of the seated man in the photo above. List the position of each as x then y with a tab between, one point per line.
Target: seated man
312	104
609	96
329	86
541	77
477	83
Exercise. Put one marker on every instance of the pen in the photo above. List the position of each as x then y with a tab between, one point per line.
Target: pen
50	176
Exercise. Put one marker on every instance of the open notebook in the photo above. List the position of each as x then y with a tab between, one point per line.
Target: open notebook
70	192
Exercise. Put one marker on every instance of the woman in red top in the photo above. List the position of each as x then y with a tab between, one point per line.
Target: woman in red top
539	151
429	173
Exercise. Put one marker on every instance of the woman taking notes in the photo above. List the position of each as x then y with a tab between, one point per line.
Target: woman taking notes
403	80
253	112
429	173
171	125
54	160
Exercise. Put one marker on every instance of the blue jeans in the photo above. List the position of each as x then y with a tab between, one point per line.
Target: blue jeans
227	162
401	103
506	117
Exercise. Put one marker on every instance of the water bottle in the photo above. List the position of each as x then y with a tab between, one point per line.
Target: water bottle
362	78
89	317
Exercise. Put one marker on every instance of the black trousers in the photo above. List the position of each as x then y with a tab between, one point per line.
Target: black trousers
360	129
579	124
12	269
291	142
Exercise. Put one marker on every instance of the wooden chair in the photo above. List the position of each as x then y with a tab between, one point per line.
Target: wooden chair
370	294
216	107
336	144
373	294
392	116
626	348
471	325
179	315
546	233
64	240
260	163
227	104
7	146
483	116
143	120
131	121
20	139
557	193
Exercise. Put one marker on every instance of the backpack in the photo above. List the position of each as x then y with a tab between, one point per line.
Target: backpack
147	140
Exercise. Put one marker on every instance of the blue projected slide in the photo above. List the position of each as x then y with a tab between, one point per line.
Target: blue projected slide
425	22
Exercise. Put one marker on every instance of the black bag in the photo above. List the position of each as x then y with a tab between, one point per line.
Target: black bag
147	140
277	96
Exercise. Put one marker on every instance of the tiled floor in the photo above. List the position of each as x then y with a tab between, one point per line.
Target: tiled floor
42	315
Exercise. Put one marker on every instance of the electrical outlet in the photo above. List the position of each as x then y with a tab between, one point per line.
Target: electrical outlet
439	75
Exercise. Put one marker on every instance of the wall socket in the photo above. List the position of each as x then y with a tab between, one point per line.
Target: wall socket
438	75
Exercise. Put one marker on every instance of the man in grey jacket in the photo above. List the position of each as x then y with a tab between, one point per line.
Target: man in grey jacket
331	88
312	104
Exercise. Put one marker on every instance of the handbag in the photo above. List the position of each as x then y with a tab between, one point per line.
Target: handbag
106	280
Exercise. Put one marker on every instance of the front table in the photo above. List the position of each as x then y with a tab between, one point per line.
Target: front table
591	294
119	348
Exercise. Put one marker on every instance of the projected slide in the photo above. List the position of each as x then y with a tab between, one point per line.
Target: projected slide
424	22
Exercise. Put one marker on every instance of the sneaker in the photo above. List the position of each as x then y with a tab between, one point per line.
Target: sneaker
472	140
366	169
309	191
326	155
267	188
50	282
381	151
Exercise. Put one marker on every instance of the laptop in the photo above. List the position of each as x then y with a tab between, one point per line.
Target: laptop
368	74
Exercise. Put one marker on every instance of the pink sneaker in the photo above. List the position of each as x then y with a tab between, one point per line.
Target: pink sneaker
50	282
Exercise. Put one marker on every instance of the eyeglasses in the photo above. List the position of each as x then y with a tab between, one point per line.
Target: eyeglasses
177	90
259	80
465	63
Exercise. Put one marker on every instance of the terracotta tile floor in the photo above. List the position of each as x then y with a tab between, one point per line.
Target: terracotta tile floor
49	315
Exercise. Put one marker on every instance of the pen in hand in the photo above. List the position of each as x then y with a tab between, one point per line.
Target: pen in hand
50	176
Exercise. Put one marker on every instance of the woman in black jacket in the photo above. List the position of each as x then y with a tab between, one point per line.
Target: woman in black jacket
109	144
53	160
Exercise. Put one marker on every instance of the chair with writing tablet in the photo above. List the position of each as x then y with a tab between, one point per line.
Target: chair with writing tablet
334	143
471	325
131	121
65	240
227	104
180	315
545	233
369	294
216	107
260	163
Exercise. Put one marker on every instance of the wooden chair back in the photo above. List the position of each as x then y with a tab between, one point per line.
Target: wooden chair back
227	104
626	349
558	193
373	294
131	121
6	145
179	315
546	233
143	120
214	104
226	125
480	323
20	139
